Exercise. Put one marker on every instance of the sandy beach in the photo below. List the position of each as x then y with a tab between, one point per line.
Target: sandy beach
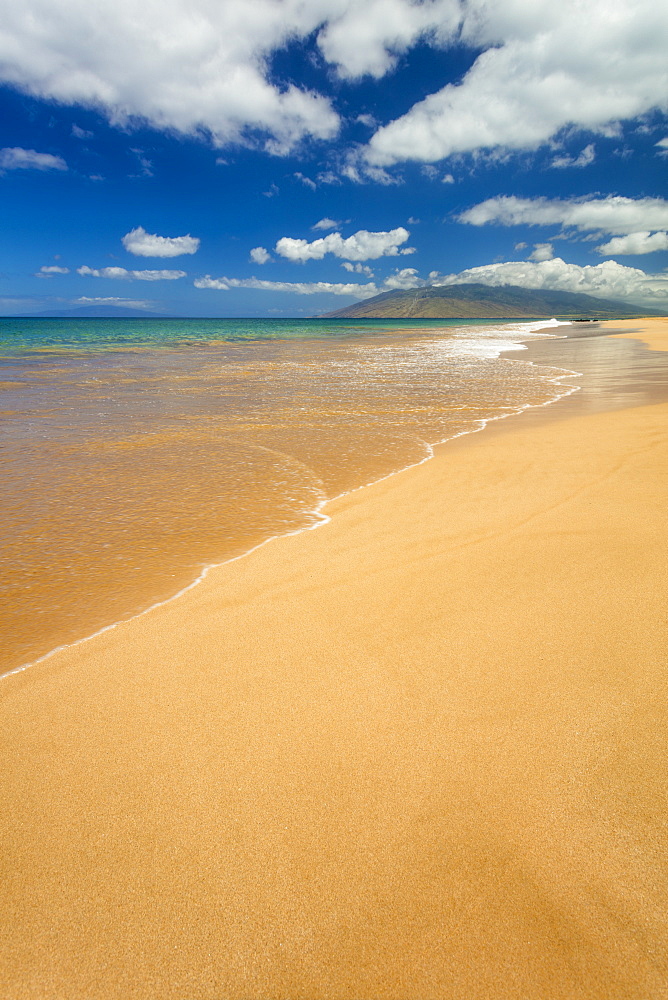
416	754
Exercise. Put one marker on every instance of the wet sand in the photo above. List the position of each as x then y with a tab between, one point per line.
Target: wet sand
417	753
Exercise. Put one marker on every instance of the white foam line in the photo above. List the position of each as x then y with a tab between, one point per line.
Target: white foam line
323	519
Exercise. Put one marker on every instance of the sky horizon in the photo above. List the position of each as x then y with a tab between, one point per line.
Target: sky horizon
291	157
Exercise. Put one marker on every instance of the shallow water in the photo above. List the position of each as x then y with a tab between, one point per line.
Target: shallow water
131	459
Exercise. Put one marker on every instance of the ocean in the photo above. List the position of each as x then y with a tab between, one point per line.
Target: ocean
135	453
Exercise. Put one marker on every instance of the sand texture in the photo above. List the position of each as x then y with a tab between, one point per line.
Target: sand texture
417	754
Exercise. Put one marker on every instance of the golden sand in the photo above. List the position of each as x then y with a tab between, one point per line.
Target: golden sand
418	753
652	332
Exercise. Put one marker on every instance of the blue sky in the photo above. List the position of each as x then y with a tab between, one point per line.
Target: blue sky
289	157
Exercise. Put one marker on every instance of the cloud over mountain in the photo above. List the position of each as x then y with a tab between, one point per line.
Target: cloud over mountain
607	280
634	243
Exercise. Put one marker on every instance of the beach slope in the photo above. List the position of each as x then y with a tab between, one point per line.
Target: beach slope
417	753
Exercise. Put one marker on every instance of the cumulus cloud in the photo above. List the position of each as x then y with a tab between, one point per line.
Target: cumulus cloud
586	157
181	65
635	243
544	67
296	287
122	274
114	300
366	39
259	255
48	271
326	224
143	244
542	251
15	158
362	245
407	277
608	280
613	214
357	269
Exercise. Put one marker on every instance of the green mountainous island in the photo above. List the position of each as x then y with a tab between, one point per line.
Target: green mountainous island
475	301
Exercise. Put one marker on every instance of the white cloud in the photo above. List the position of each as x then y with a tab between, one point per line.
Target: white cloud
114	300
15	158
608	280
358	269
181	65
328	177
143	244
545	66
122	274
48	270
407	277
362	245
542	251
586	157
613	214
199	67
663	143
81	133
306	181
296	287
146	166
366	38
326	224
637	243
359	173
447	179
259	255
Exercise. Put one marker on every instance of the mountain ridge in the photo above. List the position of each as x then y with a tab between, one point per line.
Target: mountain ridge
477	301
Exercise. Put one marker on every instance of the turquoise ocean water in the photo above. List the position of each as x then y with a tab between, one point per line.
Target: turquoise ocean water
136	452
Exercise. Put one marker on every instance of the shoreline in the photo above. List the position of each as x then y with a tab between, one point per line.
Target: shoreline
419	753
318	513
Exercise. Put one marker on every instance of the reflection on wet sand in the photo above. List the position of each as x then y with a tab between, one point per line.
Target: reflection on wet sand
128	471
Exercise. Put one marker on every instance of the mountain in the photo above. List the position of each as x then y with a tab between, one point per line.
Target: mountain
475	301
97	312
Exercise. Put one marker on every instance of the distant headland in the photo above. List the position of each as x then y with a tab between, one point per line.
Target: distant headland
476	301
